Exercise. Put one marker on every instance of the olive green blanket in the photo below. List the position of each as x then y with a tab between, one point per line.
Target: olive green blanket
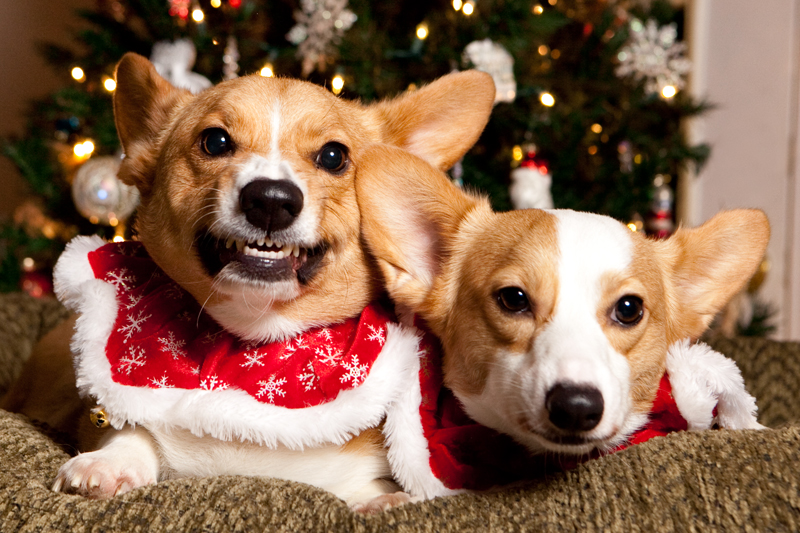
701	481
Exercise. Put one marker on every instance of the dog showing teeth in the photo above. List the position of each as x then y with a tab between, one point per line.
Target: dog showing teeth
219	341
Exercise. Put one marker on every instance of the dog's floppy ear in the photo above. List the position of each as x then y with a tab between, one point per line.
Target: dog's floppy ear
711	263
440	121
409	213
142	104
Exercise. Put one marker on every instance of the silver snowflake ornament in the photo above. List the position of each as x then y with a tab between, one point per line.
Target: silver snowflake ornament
654	56
320	26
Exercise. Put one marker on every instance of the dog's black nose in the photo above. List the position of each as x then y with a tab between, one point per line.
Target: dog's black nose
271	204
574	408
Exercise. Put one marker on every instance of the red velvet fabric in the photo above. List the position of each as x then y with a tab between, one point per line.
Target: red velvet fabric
162	339
467	455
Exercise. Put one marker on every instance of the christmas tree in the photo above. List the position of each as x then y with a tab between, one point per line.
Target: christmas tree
588	98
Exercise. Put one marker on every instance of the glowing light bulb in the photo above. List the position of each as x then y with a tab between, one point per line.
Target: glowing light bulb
543	50
547	99
337	84
77	74
119	238
537	9
83	149
216	3
109	84
457	5
267	71
422	31
198	15
597	128
468	8
669	91
632	226
516	153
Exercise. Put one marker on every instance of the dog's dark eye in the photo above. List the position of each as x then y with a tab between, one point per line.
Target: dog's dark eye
216	141
513	299
332	157
628	310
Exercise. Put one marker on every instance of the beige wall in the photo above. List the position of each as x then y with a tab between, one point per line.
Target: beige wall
24	74
745	56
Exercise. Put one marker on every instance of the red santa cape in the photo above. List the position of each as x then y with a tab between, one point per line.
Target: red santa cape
464	454
149	356
147	353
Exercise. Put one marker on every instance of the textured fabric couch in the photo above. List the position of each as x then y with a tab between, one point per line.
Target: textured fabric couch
702	481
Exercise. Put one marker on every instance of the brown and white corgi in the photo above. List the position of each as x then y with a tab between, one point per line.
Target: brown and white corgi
557	327
248	205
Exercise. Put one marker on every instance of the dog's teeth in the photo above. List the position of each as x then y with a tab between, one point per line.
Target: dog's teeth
229	242
277	244
241	245
296	251
280	255
268	241
261	242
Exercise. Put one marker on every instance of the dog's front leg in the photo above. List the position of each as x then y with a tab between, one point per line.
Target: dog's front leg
127	459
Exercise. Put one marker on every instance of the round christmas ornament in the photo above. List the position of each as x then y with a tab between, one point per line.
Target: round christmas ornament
99	195
530	182
492	58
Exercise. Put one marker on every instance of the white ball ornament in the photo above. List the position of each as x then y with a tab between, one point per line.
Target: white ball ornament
99	195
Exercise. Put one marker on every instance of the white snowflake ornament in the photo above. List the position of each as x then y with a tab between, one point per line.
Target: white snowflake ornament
174	61
320	26
490	57
655	56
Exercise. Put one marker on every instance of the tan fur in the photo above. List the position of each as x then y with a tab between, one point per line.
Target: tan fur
178	183
160	129
449	267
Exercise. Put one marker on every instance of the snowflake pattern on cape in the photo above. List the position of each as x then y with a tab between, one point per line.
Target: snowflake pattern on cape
271	388
153	345
355	371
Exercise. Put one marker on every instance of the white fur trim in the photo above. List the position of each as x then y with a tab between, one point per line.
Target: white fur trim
224	414
73	270
702	379
407	446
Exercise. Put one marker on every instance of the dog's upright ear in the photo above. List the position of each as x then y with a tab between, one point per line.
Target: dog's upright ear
710	264
440	121
410	213
142	104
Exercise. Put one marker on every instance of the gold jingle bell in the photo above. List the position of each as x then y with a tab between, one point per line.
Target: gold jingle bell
99	418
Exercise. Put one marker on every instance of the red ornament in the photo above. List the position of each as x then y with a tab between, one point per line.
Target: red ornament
532	159
235	3
37	284
179	8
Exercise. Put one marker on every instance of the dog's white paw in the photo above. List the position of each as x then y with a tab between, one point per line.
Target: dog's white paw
100	475
382	503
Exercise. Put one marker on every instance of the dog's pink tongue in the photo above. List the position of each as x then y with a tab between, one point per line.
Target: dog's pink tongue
298	261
